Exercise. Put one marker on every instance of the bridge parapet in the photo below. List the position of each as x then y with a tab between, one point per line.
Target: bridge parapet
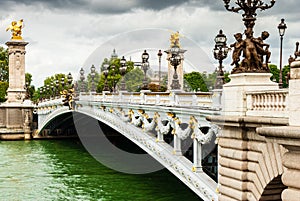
267	103
185	99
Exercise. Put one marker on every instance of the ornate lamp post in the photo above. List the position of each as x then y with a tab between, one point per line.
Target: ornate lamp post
251	48
220	53
281	27
175	61
123	72
82	80
159	54
105	72
249	7
93	73
145	67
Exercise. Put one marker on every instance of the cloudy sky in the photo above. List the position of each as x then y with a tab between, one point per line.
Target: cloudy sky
65	35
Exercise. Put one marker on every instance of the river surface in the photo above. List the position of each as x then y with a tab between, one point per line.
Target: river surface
63	170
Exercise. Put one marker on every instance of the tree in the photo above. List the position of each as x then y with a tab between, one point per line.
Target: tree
134	80
114	74
4	72
3	89
195	81
30	89
275	74
49	88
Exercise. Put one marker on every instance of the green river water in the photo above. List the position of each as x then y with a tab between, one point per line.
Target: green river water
63	170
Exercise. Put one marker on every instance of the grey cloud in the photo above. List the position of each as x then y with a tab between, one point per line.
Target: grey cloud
102	6
115	6
124	6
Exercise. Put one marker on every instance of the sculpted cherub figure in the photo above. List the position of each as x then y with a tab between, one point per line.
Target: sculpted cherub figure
238	48
260	47
16	29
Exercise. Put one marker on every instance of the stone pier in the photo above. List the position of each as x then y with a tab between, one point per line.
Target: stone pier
16	113
250	165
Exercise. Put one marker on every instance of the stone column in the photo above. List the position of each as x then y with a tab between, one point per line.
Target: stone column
16	90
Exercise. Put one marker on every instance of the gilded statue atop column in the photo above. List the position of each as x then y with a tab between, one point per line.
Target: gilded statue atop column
16	29
174	39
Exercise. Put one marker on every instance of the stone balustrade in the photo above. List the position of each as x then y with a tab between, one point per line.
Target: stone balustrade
267	103
182	99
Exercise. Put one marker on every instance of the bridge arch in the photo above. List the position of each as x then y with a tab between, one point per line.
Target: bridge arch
163	153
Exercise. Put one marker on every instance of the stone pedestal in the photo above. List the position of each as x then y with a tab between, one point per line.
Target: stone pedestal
16	89
16	114
235	91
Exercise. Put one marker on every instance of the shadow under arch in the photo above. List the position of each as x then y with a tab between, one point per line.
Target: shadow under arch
273	190
98	145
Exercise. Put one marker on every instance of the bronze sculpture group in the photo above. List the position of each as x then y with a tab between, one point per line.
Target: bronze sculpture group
255	52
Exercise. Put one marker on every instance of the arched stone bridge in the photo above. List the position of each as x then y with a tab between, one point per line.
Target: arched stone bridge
148	119
257	132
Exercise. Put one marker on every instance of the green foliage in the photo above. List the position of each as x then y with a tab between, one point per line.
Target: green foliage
210	79
3	88
30	88
114	75
134	80
226	77
4	64
49	88
195	81
275	74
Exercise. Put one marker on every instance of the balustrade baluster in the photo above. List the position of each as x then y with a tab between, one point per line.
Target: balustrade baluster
197	156
177	145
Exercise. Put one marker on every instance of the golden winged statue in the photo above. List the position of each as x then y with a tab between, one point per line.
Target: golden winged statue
174	39
16	29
